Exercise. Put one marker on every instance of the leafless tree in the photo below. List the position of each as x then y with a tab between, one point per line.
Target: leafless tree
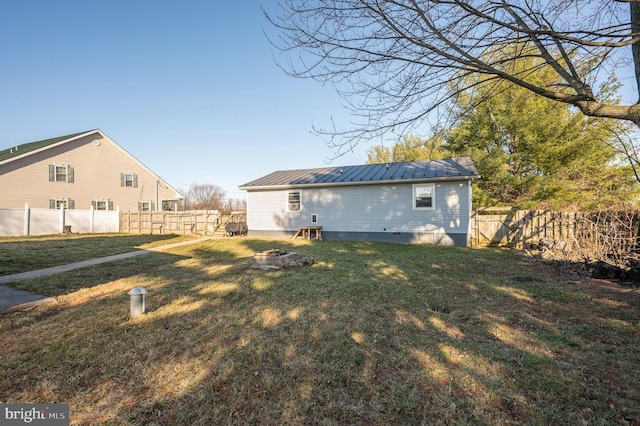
204	197
396	61
235	204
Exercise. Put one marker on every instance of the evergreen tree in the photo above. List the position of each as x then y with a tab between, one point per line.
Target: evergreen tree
533	152
530	152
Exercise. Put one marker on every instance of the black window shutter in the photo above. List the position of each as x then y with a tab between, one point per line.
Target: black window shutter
139	206
121	179
69	174
94	205
52	173
135	181
72	204
52	204
152	207
110	205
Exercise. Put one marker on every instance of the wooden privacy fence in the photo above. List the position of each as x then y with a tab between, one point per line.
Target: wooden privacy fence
617	231
504	226
201	222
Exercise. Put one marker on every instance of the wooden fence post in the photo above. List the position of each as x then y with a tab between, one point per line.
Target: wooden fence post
525	229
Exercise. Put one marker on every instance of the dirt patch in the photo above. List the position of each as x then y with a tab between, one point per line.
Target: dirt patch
276	259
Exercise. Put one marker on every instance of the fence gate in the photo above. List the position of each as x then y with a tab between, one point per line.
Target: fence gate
505	226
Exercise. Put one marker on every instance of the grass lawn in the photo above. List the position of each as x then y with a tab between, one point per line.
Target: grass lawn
371	334
18	254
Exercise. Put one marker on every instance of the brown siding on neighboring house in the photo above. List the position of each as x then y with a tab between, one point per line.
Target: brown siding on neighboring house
95	167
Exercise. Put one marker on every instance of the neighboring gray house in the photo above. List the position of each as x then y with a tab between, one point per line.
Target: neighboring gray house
416	202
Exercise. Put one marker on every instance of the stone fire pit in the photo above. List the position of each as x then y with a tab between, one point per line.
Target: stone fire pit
276	259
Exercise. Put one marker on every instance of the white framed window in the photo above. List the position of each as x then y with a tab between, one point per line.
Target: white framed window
145	206
314	218
129	179
60	173
61	203
423	196
294	201
102	204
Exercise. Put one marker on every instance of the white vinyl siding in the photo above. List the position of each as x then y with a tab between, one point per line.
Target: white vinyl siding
365	208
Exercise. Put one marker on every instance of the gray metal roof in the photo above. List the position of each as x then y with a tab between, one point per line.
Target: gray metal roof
452	169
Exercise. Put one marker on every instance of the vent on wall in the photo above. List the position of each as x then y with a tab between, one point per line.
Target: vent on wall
96	142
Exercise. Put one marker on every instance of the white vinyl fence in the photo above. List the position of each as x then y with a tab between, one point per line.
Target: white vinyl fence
28	221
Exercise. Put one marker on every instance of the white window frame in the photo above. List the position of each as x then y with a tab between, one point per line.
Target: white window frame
289	203
59	172
414	192
128	179
106	204
61	201
146	203
55	172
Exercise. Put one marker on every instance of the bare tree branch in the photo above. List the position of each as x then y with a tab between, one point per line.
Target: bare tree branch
396	61
204	196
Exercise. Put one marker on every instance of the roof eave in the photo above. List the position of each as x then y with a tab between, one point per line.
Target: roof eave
377	182
104	136
47	147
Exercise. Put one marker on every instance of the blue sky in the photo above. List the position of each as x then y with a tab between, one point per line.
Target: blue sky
188	88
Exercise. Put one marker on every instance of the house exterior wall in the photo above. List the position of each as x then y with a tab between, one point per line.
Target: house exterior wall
367	212
96	176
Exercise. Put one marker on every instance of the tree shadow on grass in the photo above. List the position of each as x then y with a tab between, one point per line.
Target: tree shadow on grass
370	334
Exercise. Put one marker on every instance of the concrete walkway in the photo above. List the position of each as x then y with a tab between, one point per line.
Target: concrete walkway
15	300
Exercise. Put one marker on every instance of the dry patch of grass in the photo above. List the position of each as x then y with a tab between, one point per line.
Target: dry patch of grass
370	334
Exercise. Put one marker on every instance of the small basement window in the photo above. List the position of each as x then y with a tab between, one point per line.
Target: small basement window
423	196
293	201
